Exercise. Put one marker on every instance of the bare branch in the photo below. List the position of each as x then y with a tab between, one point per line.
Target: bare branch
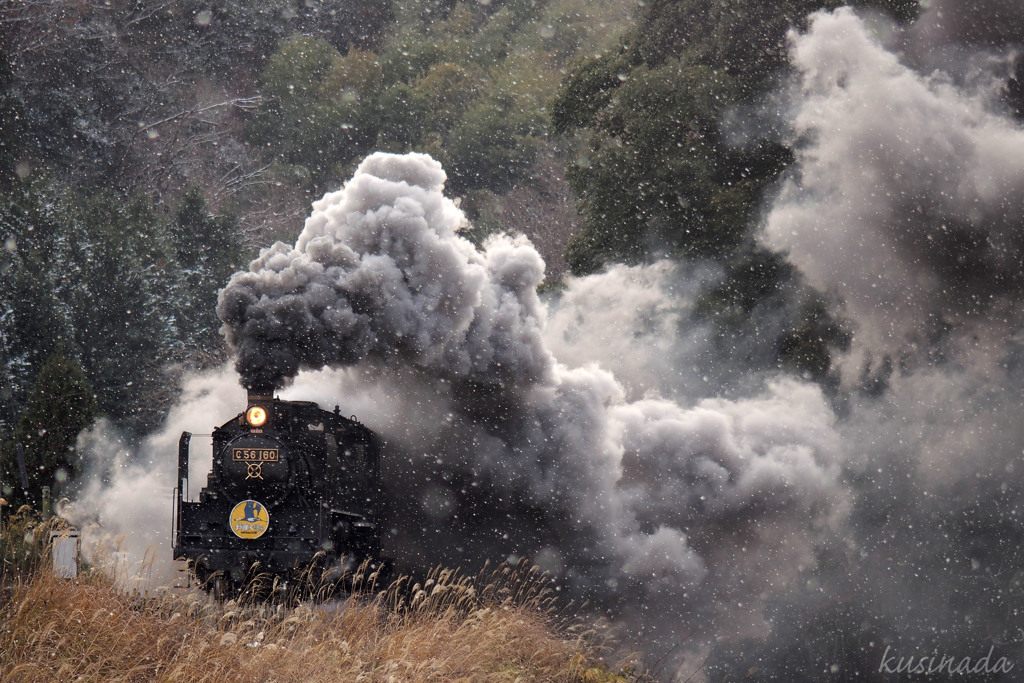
146	13
244	103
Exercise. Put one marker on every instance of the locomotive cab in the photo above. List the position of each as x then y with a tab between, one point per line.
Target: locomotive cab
290	484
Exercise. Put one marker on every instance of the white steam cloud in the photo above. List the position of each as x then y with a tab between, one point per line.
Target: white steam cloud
127	491
908	197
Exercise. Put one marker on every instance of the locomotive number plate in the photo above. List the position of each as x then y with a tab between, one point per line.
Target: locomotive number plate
255	455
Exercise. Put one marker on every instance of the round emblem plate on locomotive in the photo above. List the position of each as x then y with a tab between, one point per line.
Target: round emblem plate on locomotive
249	519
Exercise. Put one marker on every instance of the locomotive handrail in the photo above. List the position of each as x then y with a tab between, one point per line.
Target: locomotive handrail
174	519
336	511
183	443
182	485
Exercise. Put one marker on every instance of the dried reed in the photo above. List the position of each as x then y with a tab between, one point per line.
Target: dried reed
498	626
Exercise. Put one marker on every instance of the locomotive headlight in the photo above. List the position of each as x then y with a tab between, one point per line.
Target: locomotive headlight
256	416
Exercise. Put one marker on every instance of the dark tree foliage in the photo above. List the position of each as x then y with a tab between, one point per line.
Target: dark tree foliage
319	108
1014	92
660	175
108	111
118	286
347	24
118	308
77	84
59	406
490	147
481	33
586	91
12	124
38	237
207	253
660	172
237	38
746	41
90	77
431	88
903	11
448	99
402	118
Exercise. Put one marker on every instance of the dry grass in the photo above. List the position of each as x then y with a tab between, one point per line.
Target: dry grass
498	627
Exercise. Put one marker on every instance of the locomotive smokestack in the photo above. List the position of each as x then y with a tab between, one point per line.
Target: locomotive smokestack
260	394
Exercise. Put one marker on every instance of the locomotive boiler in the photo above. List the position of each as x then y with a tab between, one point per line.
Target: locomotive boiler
292	488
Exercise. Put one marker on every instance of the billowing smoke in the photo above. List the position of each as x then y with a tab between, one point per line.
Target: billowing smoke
378	273
908	199
625	319
906	203
496	450
646	326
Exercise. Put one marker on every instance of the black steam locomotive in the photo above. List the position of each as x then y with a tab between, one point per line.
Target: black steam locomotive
293	488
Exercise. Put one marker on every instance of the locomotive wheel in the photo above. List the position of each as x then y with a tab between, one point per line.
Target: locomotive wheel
221	588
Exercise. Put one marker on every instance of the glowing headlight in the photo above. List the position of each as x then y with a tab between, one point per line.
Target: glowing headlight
256	416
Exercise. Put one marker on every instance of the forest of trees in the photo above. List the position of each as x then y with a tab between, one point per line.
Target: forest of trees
148	148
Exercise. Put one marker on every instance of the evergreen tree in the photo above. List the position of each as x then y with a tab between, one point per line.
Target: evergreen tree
12	133
1013	92
12	368
119	307
60	405
38	221
207	253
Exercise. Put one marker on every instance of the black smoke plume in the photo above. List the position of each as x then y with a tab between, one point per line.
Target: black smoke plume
378	272
660	515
